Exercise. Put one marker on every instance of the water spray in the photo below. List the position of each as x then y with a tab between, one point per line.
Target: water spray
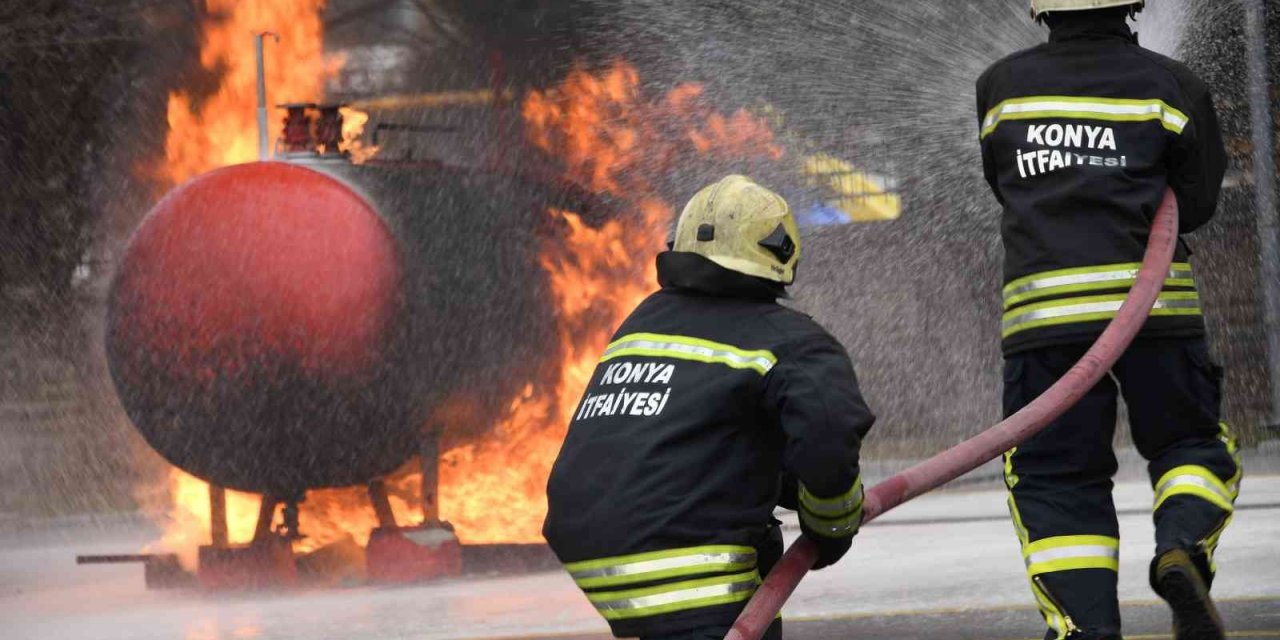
944	467
1264	190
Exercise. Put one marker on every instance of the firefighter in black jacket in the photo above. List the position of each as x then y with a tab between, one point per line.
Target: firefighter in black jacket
1079	138
660	503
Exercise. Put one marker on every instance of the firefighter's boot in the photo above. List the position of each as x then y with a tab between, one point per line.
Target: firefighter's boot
1175	578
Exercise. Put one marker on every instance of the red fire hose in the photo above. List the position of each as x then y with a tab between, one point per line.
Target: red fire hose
970	454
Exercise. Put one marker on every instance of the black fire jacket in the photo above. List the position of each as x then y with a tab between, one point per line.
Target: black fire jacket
664	488
1079	138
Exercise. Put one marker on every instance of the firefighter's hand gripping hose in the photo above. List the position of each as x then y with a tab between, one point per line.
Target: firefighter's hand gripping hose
944	467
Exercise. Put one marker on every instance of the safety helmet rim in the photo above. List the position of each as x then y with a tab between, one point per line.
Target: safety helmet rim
1041	7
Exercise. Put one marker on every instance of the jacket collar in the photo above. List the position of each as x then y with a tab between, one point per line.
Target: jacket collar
686	271
1096	27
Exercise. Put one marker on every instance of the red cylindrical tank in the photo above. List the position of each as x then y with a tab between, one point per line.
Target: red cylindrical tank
251	329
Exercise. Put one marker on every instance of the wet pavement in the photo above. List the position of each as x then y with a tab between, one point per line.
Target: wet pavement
944	566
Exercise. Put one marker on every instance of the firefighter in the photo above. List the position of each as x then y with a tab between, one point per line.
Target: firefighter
660	503
1080	137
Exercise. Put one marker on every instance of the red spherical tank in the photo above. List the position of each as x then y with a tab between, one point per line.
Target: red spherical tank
252	330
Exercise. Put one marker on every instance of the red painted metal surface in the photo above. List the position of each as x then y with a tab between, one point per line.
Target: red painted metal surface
254	310
405	555
261	564
972	453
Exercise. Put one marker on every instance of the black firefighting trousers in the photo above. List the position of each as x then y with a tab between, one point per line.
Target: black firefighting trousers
768	553
1060	480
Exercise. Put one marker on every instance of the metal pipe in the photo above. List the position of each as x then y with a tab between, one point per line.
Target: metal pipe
264	147
972	453
218	516
1264	190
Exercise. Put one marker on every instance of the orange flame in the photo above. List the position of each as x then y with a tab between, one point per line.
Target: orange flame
353	121
609	139
222	129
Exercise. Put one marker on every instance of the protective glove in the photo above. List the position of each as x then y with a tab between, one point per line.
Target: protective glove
830	550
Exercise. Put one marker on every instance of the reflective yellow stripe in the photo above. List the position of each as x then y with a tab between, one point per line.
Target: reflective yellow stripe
1092	309
687	348
1066	553
1084	108
1225	435
1197	481
1010	478
676	596
837	507
842	527
660	565
1086	279
1055	618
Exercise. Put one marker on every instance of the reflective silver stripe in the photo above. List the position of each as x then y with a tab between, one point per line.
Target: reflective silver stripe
1090	107
699	350
1192	480
666	564
1120	110
1079	551
1121	275
842	527
837	507
1085	308
674	597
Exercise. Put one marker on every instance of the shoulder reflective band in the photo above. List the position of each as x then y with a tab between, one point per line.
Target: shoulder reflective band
1085	279
685	348
837	507
1196	481
1084	108
1091	309
1065	553
659	565
677	596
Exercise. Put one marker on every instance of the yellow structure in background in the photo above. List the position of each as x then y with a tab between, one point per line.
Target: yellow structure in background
862	196
475	98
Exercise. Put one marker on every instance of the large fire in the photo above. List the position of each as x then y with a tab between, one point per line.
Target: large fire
608	138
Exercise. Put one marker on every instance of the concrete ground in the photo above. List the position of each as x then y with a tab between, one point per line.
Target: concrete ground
944	566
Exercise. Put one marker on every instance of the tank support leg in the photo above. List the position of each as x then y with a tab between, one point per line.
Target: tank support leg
266	514
218	516
429	448
381	504
290	530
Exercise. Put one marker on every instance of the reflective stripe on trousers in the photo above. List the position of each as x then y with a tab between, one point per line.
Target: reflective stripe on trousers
1066	553
1199	482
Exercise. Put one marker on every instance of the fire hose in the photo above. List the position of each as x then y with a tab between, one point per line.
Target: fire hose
944	467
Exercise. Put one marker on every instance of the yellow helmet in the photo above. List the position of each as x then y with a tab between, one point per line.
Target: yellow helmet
1041	7
743	227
